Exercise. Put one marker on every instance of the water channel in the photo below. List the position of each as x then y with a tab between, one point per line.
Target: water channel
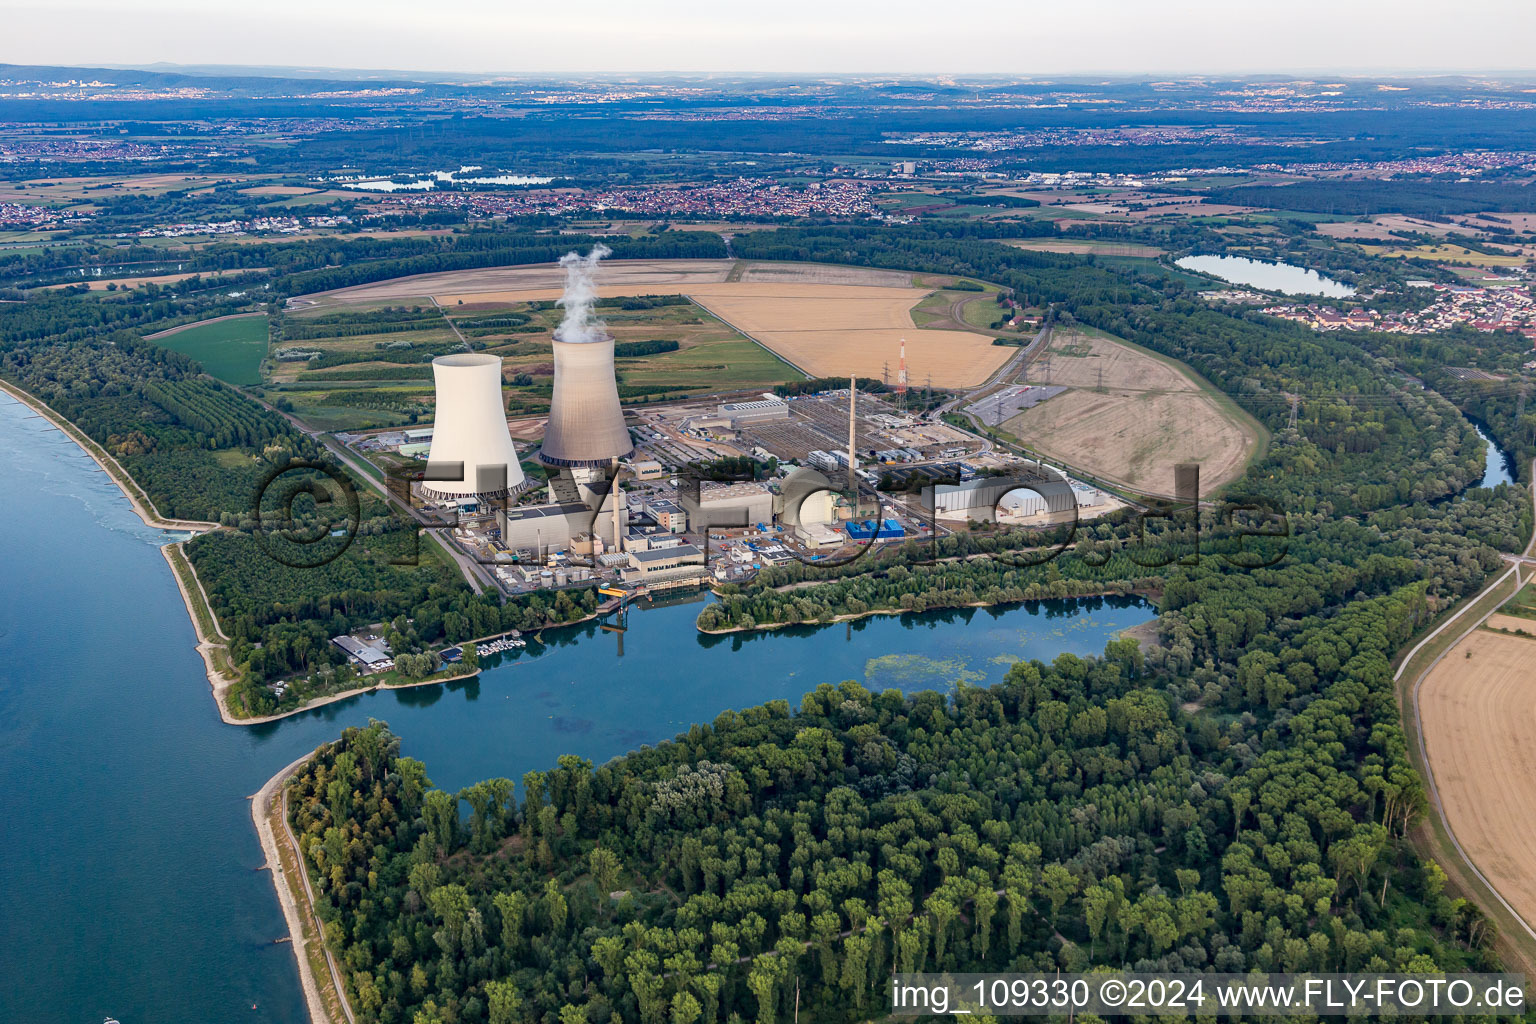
129	869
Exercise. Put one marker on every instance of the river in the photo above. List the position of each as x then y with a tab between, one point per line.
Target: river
1269	277
129	870
1498	465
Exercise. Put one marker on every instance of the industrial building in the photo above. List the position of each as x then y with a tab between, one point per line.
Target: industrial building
869	529
668	513
765	410
979	499
369	656
818	535
586	425
649	469
543	527
667	565
738	504
472	450
829	462
806	497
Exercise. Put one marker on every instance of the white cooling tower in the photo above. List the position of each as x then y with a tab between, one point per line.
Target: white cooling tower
586	425
472	450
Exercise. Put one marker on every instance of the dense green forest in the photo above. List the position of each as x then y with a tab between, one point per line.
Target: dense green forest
196	446
1071	816
1433	198
280	617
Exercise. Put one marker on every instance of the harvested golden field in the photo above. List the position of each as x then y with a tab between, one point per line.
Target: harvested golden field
827	320
1512	623
279	190
1445	252
1150	416
823	273
837	330
544	280
1477	709
100	284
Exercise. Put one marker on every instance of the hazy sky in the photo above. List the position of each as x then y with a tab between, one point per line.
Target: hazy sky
1008	36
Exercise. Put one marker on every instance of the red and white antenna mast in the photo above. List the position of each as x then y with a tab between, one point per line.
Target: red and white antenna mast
901	376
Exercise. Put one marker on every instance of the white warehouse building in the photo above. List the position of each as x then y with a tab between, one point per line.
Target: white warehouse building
980	498
764	410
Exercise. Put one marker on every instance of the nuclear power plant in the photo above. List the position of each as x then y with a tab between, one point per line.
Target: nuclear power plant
472	451
724	484
586	425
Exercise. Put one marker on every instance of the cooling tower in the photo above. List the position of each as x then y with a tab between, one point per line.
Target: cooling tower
472	451
586	425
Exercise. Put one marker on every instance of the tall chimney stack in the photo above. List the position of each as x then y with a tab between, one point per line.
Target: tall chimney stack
853	481
618	536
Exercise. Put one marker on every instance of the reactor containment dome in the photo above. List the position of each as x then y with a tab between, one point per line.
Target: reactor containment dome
472	451
586	426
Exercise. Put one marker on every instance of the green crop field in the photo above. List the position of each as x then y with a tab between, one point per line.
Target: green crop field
231	350
709	366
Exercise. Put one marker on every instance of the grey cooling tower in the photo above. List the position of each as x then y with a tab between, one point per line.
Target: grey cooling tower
586	425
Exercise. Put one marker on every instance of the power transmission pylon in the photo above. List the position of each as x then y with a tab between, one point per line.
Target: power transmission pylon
1295	403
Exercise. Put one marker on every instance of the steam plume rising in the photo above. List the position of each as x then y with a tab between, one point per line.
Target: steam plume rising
580	295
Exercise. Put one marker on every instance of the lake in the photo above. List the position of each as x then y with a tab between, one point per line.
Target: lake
425	183
130	869
1269	277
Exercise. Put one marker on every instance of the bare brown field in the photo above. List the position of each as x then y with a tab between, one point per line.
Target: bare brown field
100	284
1498	620
1355	229
827	320
67	188
1522	222
1121	366
1477	710
1382	227
1149	417
521	284
1085	248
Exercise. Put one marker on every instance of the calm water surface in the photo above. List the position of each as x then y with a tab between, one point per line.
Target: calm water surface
129	875
1498	465
1271	277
